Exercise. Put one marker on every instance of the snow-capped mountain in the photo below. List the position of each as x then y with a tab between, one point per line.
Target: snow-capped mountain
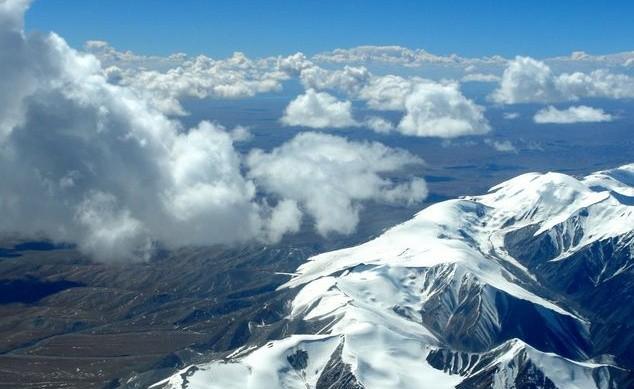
527	286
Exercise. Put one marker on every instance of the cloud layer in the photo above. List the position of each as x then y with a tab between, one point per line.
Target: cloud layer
87	161
92	151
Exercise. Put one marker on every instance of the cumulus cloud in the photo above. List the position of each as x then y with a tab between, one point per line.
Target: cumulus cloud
109	56
575	114
511	115
525	80
164	81
528	80
318	110
434	109
201	77
328	176
348	80
387	93
430	108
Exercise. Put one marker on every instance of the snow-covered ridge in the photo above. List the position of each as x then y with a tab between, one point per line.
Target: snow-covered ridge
400	310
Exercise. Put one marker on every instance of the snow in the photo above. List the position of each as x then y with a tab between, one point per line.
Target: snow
373	294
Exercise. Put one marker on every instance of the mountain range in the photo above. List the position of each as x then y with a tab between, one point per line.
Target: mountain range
527	286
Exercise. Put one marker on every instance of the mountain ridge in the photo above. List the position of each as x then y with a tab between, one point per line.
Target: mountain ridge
481	281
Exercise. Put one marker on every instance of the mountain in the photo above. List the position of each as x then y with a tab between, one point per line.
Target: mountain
527	286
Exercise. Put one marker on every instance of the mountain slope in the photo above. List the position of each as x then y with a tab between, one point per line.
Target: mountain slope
502	290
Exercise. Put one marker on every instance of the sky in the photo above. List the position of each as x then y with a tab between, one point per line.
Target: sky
218	28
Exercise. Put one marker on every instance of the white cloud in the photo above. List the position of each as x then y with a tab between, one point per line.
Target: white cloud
383	54
577	58
318	110
329	176
504	146
241	134
166	80
378	124
511	115
528	80
239	76
387	93
440	110
480	77
431	108
576	114
286	218
170	79
397	55
348	80
525	80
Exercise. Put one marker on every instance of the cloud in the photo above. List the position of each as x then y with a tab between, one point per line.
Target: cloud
241	134
575	114
430	108
285	218
89	162
577	58
164	81
440	110
480	77
528	80
387	93
504	146
383	54
239	76
318	110
348	80
329	177
525	80
378	124
397	55
511	115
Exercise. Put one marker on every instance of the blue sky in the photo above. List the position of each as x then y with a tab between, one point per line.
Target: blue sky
218	28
